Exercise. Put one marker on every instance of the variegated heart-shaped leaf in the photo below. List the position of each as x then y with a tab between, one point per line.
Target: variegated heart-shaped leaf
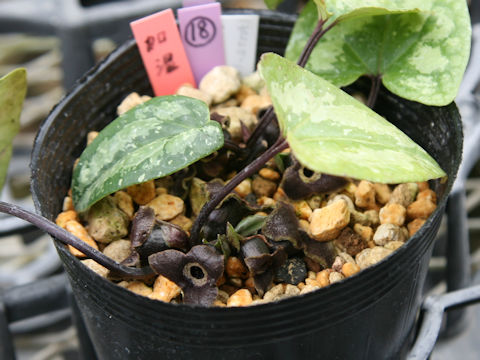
331	132
152	140
13	88
420	56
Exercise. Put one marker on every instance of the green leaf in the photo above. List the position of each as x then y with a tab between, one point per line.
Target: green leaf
152	140
431	70
331	132
280	161
322	10
272	4
420	56
250	225
303	28
348	9
221	244
13	88
233	237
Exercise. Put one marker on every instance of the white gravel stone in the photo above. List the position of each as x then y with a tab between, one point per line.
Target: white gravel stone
386	233
236	116
118	250
220	83
369	257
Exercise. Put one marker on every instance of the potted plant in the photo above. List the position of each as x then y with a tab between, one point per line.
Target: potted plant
330	322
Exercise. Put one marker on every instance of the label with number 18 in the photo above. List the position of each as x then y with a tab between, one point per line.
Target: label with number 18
201	31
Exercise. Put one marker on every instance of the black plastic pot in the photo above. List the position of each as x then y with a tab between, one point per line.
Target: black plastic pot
369	316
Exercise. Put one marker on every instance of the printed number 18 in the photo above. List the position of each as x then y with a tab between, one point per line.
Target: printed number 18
200	31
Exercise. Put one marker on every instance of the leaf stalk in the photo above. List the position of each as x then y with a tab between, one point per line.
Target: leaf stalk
374	90
315	37
262	125
68	239
280	145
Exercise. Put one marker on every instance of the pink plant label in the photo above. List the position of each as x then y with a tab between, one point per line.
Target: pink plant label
202	35
162	52
187	3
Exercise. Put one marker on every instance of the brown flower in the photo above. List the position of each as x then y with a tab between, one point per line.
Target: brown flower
195	272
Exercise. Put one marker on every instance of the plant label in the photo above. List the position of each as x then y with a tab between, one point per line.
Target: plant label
201	30
187	3
240	34
162	52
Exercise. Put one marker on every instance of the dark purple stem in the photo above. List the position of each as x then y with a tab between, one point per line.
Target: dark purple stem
68	239
247	171
262	125
374	90
269	115
315	37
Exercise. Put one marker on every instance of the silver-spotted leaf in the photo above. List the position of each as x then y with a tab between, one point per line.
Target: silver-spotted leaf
13	88
331	132
152	140
330	59
340	10
420	56
348	9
